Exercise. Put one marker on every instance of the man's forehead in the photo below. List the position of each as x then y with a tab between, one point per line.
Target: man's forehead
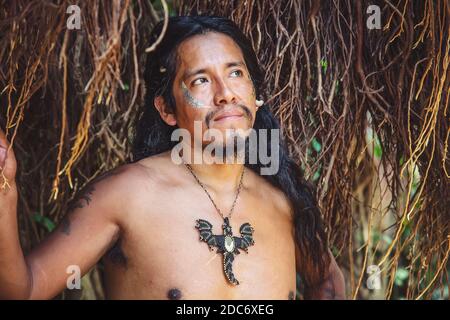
211	49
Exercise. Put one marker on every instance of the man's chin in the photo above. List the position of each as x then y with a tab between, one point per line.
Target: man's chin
228	148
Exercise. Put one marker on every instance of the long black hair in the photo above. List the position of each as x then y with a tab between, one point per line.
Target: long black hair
152	134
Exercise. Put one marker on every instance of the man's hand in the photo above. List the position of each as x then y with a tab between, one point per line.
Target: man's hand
90	227
8	165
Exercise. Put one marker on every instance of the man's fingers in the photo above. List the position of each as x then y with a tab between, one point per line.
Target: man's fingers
2	157
3	148
3	141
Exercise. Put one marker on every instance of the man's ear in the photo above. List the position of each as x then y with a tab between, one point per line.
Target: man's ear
163	110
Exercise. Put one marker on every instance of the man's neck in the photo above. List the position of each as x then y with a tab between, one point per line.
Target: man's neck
221	177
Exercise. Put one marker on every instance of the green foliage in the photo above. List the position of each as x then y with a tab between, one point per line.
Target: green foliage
401	276
44	222
324	65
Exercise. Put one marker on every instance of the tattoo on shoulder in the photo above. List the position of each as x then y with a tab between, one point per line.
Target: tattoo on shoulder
82	199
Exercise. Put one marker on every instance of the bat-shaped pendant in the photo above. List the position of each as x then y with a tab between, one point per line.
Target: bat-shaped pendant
226	244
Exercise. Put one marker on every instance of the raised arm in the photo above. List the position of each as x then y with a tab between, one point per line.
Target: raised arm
89	228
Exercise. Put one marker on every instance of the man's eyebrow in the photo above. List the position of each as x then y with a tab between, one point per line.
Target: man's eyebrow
190	73
239	63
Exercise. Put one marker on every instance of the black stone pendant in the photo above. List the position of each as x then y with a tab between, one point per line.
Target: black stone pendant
226	244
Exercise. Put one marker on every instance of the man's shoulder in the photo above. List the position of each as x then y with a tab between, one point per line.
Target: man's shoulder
264	189
131	177
119	189
156	163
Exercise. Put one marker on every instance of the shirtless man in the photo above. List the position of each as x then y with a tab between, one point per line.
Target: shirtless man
141	218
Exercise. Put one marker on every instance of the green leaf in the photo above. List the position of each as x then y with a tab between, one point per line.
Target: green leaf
438	295
308	151
375	236
387	239
335	251
316	145
378	151
316	174
44	221
324	65
400	276
336	87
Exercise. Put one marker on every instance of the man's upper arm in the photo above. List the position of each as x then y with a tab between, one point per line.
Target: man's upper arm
84	235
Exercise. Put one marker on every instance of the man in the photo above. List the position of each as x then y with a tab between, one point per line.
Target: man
153	220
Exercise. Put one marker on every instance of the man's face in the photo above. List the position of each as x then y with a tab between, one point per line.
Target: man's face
213	86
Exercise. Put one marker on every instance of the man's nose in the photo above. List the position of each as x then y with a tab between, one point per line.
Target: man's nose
223	94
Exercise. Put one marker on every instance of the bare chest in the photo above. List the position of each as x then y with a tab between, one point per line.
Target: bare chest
167	253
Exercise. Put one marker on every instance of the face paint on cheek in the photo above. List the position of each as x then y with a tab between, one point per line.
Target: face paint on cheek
190	99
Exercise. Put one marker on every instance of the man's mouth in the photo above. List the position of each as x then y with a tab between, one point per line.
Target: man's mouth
228	115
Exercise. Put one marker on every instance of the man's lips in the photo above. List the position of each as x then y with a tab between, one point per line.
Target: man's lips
228	115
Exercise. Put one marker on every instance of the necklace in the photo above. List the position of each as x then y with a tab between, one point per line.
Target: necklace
226	244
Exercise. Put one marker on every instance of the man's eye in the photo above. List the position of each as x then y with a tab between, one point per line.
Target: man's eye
238	73
199	81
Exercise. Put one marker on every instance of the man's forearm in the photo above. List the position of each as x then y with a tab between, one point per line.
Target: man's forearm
15	276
